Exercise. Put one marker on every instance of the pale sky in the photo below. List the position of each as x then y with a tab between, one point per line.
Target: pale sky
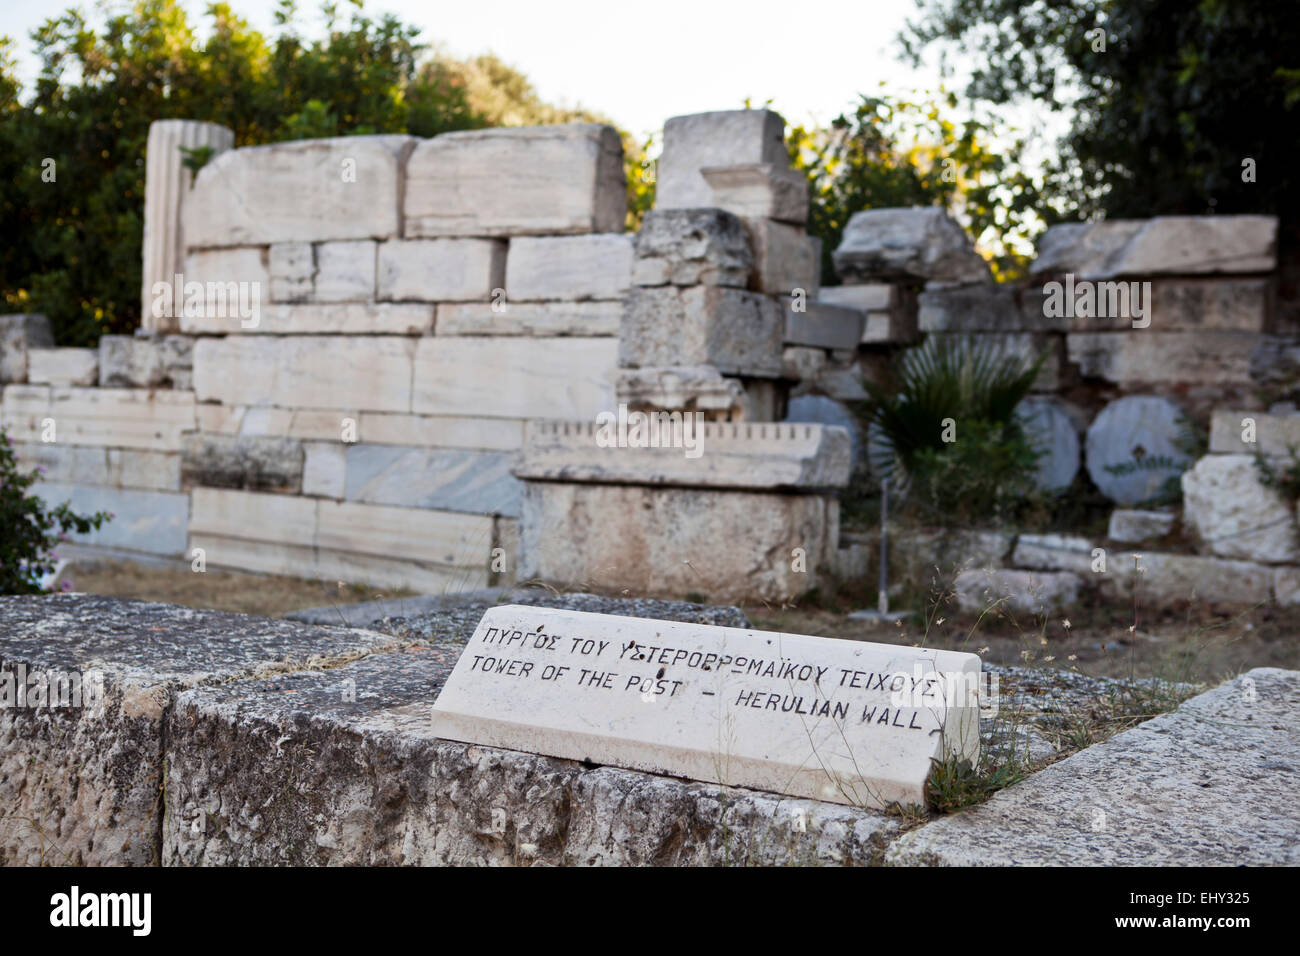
638	63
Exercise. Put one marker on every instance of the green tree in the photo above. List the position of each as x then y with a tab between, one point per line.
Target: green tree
895	152
1167	99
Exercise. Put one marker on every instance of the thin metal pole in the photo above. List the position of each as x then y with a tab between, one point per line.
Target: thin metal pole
883	602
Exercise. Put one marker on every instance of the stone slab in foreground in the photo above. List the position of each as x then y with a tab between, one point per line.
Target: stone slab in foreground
81	785
842	721
1211	784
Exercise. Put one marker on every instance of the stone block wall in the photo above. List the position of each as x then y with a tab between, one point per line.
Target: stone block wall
338	381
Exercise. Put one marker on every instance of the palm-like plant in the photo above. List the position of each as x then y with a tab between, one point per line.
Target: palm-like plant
964	379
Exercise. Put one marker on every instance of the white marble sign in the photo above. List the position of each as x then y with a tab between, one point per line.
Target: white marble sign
842	721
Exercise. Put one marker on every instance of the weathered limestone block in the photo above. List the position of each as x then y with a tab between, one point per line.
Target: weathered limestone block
1022	592
1273	434
1223	304
230	461
441	270
1286	585
785	258
324	469
1206	785
231	283
19	334
823	326
338	318
684	388
345	271
1141	356
167	187
1234	515
1163	579
917	244
1129	526
759	191
515	377
316	537
875	297
114	417
676	541
891	310
692	247
153	522
1165	245
766	456
445	538
84	785
306	190
448	479
723	138
104	467
530	318
569	268
533	180
126	361
738	332
292	271
446	431
323	372
1054	552
983	308
66	366
384	791
801	363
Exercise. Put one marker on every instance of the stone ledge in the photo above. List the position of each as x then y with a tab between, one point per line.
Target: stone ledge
1207	785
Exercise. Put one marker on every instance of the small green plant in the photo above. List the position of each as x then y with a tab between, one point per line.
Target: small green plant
1283	476
196	157
29	528
947	432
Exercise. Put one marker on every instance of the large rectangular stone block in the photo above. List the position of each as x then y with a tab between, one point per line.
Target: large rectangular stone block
569	268
105	467
731	547
230	461
153	522
738	332
1165	245
19	334
441	270
722	138
785	258
254	516
759	191
113	417
477	482
1142	356
530	318
514	377
516	182
221	273
300	191
325	372
442	431
1272	434
340	318
411	534
65	366
345	271
83	785
767	456
823	326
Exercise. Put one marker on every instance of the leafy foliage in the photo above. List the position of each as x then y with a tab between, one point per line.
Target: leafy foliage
73	241
29	528
965	391
1167	97
893	152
